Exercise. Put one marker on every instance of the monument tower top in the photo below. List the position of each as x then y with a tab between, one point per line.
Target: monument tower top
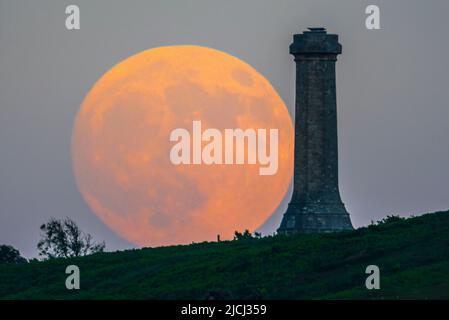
316	40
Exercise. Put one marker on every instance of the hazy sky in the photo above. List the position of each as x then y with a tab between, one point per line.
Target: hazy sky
392	90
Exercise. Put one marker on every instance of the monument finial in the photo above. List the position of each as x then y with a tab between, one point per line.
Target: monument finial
317	29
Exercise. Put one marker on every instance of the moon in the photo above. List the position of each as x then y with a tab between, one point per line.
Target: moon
121	147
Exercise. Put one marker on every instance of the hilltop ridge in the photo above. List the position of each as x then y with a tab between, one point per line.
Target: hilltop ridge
412	254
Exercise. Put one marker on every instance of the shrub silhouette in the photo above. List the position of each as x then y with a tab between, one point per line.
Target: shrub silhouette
246	235
9	254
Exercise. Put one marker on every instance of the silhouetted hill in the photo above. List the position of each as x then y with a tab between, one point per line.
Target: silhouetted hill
413	256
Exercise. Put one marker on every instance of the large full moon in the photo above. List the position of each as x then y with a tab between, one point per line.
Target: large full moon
121	147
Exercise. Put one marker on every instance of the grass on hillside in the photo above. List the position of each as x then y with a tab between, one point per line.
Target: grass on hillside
412	254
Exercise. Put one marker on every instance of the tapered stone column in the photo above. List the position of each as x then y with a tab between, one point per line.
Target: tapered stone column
316	205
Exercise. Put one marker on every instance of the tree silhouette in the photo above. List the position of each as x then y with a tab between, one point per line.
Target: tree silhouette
63	239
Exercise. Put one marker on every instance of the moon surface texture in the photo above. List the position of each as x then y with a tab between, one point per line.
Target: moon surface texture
121	147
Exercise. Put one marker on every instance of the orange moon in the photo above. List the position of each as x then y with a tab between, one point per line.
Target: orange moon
121	147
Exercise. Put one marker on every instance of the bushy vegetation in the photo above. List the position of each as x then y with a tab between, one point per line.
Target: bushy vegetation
9	254
412	254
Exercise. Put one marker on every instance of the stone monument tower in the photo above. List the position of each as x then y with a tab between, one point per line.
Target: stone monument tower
315	205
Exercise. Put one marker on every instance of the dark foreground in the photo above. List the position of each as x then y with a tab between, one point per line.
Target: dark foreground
412	254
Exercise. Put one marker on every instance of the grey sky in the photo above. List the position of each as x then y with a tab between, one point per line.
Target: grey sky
392	88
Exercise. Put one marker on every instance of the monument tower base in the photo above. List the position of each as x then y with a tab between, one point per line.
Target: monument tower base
315	219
